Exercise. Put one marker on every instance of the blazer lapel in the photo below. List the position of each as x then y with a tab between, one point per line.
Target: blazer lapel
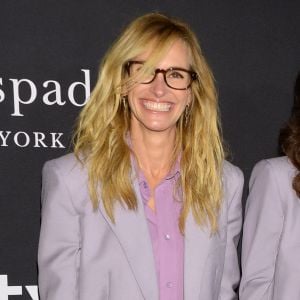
131	229
197	245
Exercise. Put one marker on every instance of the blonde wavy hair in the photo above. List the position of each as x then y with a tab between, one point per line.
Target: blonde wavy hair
100	139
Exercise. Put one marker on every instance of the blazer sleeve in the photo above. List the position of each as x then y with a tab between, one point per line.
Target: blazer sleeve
261	234
59	244
231	272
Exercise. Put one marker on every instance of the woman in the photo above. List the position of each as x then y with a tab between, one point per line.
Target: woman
147	208
271	240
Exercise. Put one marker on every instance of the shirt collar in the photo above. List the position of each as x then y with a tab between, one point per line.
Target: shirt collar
175	171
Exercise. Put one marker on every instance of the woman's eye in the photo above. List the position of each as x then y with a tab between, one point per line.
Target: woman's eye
137	69
175	74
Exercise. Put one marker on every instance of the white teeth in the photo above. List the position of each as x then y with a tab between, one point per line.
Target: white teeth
157	106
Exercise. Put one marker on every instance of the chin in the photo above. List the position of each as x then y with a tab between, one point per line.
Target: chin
159	127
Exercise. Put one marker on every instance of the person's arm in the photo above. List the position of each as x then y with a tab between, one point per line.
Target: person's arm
261	235
59	245
231	272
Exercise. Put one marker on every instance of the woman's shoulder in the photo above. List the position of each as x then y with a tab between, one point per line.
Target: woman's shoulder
280	167
232	173
273	175
67	163
67	166
66	175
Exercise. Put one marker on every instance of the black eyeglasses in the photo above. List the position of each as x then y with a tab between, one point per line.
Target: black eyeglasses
175	78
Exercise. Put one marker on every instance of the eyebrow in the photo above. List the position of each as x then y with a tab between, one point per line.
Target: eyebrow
171	67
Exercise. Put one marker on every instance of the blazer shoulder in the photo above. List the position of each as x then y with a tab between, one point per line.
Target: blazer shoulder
233	183
68	171
66	163
281	164
273	176
232	174
277	168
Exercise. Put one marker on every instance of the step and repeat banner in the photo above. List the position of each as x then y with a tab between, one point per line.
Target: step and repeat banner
49	57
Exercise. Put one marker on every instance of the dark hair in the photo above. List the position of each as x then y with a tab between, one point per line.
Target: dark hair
289	138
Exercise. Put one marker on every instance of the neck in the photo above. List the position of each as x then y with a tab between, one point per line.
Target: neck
154	153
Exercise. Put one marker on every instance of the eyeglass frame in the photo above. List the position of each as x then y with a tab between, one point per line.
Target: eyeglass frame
193	74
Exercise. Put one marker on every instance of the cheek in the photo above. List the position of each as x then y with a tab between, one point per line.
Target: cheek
134	94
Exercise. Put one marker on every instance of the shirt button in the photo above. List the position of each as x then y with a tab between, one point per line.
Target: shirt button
169	285
167	237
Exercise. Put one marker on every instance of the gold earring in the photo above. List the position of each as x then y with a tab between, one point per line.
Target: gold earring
124	101
186	114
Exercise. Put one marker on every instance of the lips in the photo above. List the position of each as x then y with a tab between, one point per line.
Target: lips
157	106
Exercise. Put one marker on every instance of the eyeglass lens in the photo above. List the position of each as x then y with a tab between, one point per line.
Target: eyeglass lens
175	78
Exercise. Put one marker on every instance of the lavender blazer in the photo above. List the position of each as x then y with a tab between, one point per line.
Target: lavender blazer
271	236
83	255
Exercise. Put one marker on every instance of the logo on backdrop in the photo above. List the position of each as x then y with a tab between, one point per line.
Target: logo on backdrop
16	290
35	139
51	96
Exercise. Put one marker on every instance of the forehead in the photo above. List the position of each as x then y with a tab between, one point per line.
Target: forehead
176	54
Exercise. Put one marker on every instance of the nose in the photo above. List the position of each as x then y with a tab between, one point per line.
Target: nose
158	85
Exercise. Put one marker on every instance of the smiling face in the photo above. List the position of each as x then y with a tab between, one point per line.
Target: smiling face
156	107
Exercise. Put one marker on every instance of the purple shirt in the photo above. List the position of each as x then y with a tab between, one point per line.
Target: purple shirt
167	241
